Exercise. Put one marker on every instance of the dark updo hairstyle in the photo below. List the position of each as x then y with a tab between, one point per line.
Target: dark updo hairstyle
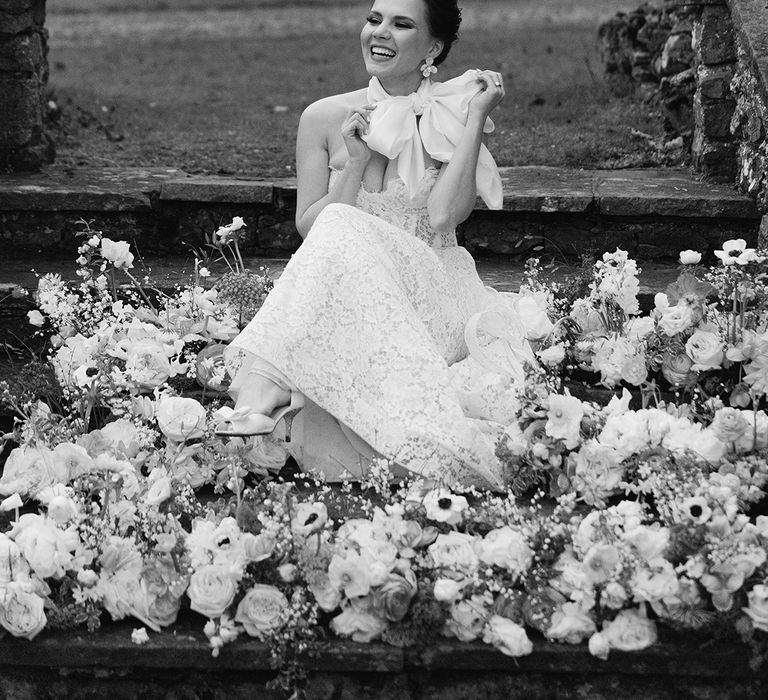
444	18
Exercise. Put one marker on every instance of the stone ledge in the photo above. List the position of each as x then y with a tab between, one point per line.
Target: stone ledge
187	648
632	192
217	189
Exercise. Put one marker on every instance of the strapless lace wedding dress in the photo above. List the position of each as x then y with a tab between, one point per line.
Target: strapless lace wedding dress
368	322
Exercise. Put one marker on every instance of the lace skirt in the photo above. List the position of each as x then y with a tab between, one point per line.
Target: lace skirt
366	321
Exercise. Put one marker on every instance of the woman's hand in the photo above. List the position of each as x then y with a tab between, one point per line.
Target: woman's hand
492	93
353	128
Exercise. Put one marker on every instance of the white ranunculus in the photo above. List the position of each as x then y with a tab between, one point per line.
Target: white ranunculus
326	594
447	590
21	611
570	624
361	625
47	548
117	252
261	610
180	418
630	631
690	257
507	548
650	542
62	509
705	349
599	646
507	636
212	589
467	618
758	607
159	491
147	364
36	318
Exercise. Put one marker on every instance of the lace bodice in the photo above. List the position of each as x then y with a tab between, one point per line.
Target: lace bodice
409	214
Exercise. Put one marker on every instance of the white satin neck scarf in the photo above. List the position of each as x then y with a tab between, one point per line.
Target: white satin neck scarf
395	132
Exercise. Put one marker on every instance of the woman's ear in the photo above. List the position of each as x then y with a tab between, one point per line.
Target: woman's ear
436	49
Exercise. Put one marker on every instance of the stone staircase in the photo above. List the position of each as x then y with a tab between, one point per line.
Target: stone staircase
552	213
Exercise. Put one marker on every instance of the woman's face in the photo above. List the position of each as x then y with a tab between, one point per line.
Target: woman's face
396	38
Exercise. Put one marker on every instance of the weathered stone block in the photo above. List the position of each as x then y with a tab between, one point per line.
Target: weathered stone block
762	234
17	23
714	81
20	114
715	159
713	117
712	37
22	54
677	54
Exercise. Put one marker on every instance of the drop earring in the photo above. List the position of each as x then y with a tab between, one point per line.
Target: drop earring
427	68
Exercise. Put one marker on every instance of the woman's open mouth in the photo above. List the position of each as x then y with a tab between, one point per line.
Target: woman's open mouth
382	53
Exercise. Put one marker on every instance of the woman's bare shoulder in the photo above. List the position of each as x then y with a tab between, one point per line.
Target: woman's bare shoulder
334	107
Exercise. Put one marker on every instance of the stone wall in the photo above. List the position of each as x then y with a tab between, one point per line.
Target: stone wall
749	87
714	147
24	145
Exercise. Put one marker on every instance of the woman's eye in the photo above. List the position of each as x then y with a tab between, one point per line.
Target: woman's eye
373	20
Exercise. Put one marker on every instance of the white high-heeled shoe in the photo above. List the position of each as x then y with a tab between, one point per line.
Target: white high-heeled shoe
244	422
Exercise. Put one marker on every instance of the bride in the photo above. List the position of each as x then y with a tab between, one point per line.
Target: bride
365	329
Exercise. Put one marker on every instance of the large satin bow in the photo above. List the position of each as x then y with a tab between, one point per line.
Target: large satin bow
395	132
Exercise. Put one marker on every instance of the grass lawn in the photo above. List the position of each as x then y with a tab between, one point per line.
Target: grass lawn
218	86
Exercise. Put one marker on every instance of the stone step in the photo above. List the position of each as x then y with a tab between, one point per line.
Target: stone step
652	213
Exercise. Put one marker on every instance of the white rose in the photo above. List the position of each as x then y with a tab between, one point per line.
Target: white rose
705	349
552	355
360	625
532	309
117	252
147	364
258	547
454	551
212	589
507	636
28	470
570	624
676	319
655	584
181	418
630	631
690	257
507	548
261	610
21	611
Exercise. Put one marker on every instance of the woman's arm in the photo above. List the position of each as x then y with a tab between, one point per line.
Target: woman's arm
454	195
312	160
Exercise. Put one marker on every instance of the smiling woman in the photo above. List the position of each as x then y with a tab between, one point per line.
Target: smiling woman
366	326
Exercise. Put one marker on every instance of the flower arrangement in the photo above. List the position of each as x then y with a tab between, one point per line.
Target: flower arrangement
619	520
